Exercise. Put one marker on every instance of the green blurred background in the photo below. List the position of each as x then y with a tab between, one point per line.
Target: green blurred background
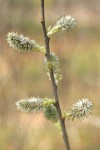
22	75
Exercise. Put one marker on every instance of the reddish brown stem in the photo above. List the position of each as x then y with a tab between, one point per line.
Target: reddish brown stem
54	86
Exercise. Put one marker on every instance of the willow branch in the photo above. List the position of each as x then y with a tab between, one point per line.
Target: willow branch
54	86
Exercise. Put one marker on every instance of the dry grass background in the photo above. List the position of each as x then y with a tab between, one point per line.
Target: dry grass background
22	75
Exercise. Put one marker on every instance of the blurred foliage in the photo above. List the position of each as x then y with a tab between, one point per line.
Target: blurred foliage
22	75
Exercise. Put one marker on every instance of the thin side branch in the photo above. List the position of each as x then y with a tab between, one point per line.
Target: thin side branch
54	86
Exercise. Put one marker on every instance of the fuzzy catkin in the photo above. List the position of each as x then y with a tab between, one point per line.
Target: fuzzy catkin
80	109
23	44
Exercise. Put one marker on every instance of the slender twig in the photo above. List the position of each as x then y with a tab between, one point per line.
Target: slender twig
54	86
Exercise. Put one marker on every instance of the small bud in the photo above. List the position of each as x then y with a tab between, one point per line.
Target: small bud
30	105
50	112
64	23
23	44
79	110
53	64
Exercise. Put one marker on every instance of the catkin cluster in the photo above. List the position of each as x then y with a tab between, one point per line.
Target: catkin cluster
80	109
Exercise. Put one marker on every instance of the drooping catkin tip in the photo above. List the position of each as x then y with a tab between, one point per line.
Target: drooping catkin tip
50	113
53	64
